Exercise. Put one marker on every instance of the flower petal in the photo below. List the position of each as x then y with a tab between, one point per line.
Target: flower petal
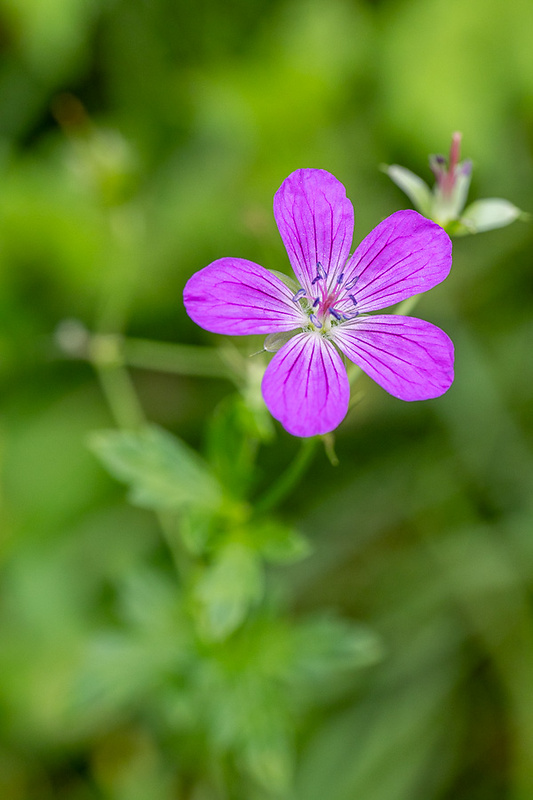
306	387
315	220
410	358
236	296
404	255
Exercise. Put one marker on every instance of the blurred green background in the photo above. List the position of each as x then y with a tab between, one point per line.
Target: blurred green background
140	140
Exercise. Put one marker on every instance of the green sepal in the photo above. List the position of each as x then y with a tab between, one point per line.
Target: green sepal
412	185
488	214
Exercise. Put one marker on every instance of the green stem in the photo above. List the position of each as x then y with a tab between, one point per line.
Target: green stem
121	398
182	359
127	412
104	354
288	480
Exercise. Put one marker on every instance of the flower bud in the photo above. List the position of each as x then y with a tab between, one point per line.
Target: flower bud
446	203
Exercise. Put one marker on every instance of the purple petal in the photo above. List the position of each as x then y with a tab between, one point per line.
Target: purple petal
404	255
315	220
306	387
236	296
410	358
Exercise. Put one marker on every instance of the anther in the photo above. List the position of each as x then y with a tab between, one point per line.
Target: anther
352	298
335	314
298	296
316	322
340	278
351	283
317	301
320	271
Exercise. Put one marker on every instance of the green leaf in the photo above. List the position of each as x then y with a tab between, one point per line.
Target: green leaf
227	589
163	473
232	445
279	543
118	670
327	645
267	752
196	531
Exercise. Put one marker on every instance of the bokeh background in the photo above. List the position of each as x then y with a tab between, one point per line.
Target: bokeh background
140	140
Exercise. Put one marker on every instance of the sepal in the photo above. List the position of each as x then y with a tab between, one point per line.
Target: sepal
445	204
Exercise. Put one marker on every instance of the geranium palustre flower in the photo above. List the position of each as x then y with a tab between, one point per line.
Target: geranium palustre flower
306	385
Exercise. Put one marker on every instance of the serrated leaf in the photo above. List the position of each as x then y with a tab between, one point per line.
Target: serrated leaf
227	590
162	472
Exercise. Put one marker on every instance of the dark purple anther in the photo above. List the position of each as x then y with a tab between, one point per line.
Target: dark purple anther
298	296
320	271
351	283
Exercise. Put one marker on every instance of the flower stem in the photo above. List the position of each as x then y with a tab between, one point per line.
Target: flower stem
288	480
116	385
128	414
182	359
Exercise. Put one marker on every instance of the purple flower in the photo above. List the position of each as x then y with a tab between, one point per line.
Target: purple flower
305	385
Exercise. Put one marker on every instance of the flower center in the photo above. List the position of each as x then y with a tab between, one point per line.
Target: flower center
328	305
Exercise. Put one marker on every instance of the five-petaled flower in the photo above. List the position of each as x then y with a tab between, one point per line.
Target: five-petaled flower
306	385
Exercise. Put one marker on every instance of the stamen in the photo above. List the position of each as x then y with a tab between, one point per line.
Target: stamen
317	301
321	274
340	278
298	296
352	283
352	298
314	319
351	316
335	314
320	271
